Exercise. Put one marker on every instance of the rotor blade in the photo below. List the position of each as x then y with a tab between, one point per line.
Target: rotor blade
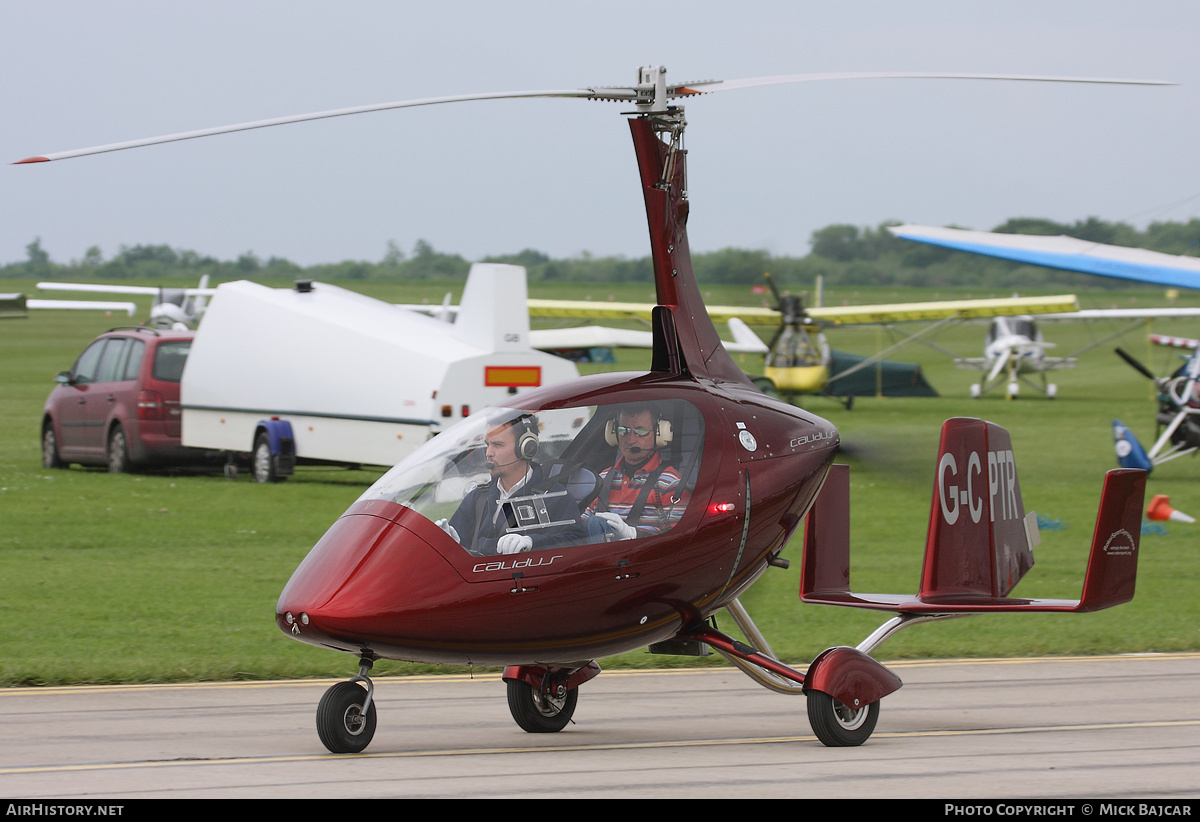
299	118
1141	369
642	95
709	86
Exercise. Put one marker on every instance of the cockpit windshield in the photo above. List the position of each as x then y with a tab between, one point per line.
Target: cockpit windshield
507	480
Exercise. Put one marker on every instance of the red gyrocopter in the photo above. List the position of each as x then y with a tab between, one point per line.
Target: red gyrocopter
393	579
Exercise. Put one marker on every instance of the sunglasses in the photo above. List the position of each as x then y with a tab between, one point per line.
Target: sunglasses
640	432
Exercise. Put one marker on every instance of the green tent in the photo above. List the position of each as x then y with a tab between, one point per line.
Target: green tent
886	378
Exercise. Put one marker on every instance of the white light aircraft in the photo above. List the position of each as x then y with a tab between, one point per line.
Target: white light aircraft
1015	349
178	308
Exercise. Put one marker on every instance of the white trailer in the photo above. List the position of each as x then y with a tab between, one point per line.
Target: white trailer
316	372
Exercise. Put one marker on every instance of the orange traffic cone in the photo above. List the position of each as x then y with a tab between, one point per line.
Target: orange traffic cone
1160	508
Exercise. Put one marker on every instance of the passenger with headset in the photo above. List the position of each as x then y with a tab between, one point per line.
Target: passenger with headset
640	495
519	510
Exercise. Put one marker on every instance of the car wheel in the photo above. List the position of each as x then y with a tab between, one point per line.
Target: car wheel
118	451
50	455
265	469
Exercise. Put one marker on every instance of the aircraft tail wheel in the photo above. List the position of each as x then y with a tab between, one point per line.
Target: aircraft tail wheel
537	712
341	723
837	725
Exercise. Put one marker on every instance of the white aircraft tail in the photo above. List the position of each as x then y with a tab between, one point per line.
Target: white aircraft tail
494	312
199	301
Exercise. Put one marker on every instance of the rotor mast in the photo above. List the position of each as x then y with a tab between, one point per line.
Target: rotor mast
687	342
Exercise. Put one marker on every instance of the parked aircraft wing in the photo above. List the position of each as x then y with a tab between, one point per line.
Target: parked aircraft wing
1175	342
607	310
83	305
18	305
832	315
1065	253
1124	314
599	336
974	363
143	290
945	309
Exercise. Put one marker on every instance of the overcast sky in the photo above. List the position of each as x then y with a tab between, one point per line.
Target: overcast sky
767	166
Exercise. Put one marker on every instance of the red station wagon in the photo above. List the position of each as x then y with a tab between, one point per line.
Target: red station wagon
119	405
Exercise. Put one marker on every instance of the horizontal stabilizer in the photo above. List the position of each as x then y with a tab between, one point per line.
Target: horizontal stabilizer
980	540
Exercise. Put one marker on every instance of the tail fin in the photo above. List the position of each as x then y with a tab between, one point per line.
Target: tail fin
494	311
825	571
1112	563
978	543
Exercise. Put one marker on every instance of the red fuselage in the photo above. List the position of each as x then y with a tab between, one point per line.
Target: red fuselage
386	582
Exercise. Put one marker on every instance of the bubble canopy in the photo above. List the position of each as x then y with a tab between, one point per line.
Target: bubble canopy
566	464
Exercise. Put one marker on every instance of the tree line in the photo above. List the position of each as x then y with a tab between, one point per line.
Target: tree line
844	255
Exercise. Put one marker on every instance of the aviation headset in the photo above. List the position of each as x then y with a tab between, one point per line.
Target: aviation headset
525	437
664	434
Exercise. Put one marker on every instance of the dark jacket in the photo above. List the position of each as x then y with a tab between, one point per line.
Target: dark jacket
530	511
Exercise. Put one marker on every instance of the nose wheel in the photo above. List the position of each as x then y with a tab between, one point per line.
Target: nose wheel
346	714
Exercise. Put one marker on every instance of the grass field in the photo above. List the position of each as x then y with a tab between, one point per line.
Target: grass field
157	577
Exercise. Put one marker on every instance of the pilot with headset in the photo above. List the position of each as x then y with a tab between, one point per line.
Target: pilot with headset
518	510
640	495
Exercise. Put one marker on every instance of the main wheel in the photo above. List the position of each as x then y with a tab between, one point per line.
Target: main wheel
50	455
837	725
538	713
118	451
341	723
264	462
